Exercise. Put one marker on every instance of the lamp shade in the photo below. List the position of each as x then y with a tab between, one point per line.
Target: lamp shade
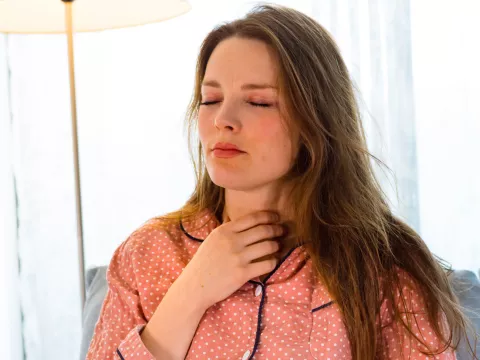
48	16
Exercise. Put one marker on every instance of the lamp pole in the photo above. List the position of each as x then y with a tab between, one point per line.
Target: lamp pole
76	162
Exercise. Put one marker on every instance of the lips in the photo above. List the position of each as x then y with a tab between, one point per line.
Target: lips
226	150
226	146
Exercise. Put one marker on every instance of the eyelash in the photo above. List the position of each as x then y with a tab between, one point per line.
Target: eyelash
250	102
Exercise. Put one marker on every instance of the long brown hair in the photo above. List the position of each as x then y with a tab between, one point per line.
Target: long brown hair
337	201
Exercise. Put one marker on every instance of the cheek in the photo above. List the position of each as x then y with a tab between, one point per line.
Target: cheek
204	127
267	130
274	140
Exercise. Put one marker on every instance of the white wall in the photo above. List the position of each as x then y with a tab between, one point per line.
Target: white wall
446	64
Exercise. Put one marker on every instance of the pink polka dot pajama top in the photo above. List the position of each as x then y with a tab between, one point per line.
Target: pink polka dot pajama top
287	316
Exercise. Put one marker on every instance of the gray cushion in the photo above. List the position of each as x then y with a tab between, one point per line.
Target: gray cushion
467	288
465	285
96	288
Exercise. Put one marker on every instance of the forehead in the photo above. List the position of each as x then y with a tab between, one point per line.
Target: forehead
238	60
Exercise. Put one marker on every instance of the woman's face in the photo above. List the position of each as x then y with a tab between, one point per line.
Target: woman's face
241	107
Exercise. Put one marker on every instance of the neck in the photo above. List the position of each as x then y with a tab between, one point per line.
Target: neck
240	203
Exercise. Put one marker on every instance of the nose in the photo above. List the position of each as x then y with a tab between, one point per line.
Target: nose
227	117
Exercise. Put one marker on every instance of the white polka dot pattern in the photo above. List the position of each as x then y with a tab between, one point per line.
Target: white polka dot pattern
299	320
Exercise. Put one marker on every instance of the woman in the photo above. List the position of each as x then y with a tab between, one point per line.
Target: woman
287	247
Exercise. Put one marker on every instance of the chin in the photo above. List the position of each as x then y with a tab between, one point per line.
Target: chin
233	184
232	181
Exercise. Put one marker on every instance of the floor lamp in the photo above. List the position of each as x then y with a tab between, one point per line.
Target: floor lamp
66	16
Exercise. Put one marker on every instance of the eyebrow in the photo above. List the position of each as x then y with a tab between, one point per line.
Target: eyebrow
214	83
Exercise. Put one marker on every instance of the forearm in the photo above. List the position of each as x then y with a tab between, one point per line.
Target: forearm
170	331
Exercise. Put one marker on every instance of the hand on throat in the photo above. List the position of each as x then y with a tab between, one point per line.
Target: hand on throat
241	203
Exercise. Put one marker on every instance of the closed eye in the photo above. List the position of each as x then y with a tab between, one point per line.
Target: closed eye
209	102
259	104
250	102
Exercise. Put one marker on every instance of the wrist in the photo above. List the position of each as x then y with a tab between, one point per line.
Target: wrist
189	292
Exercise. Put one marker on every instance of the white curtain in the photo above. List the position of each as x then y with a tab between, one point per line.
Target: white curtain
375	40
416	72
10	310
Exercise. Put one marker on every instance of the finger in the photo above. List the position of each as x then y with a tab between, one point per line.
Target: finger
259	233
256	251
251	220
261	268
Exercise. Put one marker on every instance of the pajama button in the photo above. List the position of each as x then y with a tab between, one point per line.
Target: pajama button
258	290
246	355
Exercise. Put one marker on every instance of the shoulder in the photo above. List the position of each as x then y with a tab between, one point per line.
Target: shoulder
157	237
155	232
408	325
166	237
407	286
405	297
145	242
399	280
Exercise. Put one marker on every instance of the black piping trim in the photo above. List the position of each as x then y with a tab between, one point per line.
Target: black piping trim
262	284
322	306
188	235
259	322
120	354
276	267
201	240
